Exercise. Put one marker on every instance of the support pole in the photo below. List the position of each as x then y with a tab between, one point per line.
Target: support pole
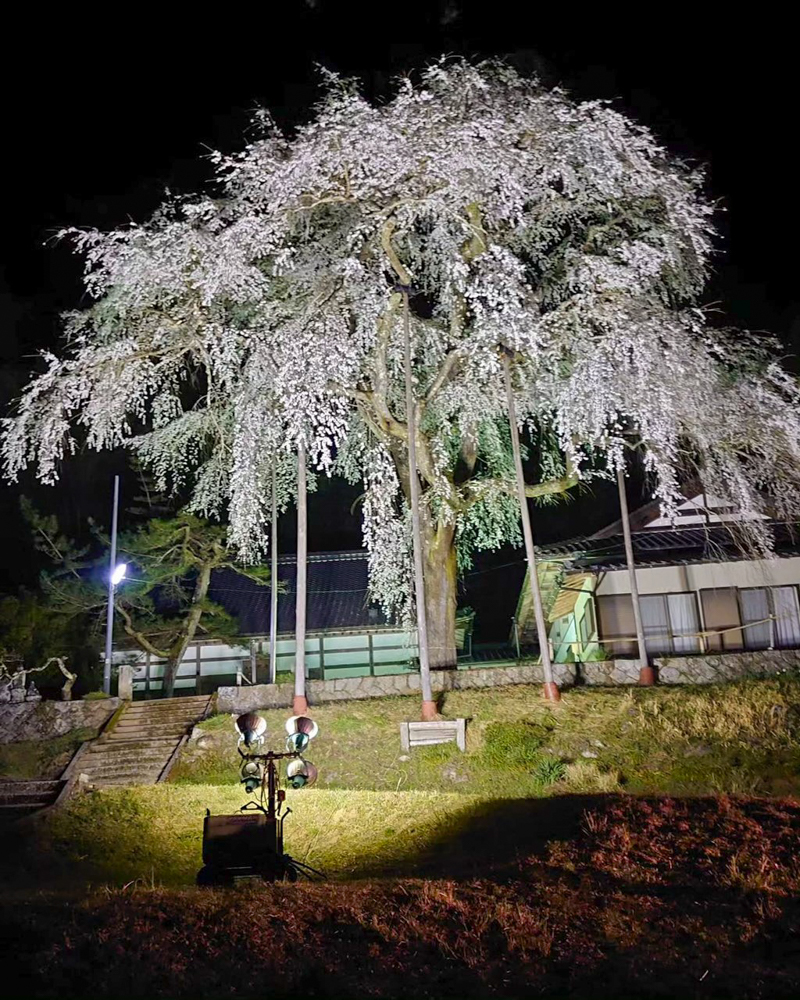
112	562
429	710
647	676
300	702
551	691
273	584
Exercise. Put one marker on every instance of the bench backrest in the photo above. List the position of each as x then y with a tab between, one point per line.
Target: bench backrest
421	734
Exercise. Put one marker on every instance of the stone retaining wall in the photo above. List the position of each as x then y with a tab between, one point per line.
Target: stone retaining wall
34	720
247	698
708	669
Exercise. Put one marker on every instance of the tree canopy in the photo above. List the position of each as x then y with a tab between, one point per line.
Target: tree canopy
228	328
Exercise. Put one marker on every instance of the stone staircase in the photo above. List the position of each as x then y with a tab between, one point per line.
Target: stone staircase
141	743
23	798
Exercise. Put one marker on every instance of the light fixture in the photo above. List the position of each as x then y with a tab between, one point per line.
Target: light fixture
119	573
252	729
300	773
301	731
251	775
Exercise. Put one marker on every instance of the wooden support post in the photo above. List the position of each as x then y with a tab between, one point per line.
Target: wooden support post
428	704
647	675
300	702
551	691
273	583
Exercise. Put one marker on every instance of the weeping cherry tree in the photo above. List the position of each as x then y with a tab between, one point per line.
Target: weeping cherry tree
519	220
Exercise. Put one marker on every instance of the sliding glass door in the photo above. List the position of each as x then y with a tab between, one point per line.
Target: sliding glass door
671	623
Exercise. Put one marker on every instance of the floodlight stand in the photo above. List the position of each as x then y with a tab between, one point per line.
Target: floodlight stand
551	691
273	806
647	675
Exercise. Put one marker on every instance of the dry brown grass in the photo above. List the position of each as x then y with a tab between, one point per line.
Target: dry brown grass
648	898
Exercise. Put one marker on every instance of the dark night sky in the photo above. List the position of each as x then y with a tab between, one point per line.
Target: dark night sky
96	125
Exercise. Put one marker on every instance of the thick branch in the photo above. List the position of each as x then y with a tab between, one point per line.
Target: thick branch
139	637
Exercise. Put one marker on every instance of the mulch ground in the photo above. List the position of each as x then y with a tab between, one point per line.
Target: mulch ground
651	898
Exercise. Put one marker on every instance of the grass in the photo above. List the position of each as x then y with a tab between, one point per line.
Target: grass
740	738
41	758
516	869
613	896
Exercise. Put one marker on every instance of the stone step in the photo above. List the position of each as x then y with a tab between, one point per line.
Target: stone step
34	785
107	741
149	759
189	704
150	733
130	776
121	751
128	731
125	780
107	766
15	810
181	705
27	798
143	719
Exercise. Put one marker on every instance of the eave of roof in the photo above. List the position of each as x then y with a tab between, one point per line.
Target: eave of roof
709	544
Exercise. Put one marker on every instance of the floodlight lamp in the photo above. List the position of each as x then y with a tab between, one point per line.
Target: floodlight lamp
296	742
302	724
119	573
300	773
252	729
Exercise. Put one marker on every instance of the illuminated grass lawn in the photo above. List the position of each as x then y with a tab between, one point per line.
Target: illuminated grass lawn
742	737
155	833
529	773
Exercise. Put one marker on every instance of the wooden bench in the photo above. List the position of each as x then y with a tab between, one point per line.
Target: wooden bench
425	734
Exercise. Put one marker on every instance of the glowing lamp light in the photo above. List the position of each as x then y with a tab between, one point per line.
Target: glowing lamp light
301	731
119	573
300	773
252	729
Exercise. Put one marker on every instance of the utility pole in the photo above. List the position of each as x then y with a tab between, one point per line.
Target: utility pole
300	702
647	675
551	691
112	562
273	583
429	710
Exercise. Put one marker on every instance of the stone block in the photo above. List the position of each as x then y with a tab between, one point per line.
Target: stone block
125	682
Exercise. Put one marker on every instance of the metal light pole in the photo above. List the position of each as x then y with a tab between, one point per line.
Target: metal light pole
273	584
300	702
112	562
550	687
647	675
429	710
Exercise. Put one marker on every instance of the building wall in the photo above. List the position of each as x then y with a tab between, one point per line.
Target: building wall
565	638
702	576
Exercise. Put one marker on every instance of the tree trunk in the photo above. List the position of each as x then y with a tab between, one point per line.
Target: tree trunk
179	647
441	577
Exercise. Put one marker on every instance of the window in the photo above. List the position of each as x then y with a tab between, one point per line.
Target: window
721	619
670	623
773	617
